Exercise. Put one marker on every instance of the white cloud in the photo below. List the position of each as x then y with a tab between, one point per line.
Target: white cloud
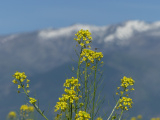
48	34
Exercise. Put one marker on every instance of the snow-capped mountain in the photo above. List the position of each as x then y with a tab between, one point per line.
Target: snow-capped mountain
130	48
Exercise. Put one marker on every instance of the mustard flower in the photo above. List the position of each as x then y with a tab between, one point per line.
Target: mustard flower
14	81
133	118
139	116
126	82
118	88
70	94
19	75
57	117
27	81
85	36
99	118
24	108
155	118
27	108
12	115
62	105
90	55
82	116
22	79
124	102
28	91
19	86
31	109
32	100
27	86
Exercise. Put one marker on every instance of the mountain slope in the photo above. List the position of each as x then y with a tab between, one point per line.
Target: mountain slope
130	48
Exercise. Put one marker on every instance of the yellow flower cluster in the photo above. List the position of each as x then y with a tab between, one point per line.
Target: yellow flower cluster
27	108
126	82
133	118
58	116
86	38
124	102
21	77
155	118
139	117
32	100
71	82
71	94
25	111
82	116
99	118
91	55
62	105
12	115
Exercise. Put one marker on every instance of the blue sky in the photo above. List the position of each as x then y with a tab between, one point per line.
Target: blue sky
25	16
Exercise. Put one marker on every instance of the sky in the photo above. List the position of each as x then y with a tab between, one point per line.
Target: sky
26	16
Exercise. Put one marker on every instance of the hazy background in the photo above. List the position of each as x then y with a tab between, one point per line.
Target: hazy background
36	37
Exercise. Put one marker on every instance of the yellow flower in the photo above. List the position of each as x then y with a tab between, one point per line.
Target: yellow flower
118	88
31	109
19	86
32	100
14	81
82	44
99	118
82	115
22	79
126	90
28	91
139	116
91	55
27	81
121	92
24	108
85	36
133	118
126	82
12	115
27	86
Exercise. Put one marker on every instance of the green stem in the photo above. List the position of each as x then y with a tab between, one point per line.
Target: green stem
113	109
94	90
78	72
121	115
71	111
86	87
35	106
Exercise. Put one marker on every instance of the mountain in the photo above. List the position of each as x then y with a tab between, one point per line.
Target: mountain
130	49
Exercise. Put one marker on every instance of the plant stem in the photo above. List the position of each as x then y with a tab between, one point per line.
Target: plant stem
71	111
86	87
121	115
94	90
78	72
113	109
36	107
